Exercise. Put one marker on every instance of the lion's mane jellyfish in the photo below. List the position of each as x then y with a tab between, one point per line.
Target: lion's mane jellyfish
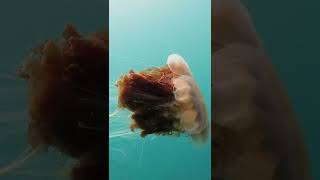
67	81
164	100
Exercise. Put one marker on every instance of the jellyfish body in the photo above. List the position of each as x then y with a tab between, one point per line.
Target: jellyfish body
165	100
256	133
194	117
67	100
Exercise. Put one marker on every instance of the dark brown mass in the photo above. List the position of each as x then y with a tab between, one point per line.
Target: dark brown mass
149	95
67	82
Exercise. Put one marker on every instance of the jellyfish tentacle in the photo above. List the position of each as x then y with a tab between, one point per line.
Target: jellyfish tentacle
86	126
121	134
10	76
114	113
141	153
119	151
22	158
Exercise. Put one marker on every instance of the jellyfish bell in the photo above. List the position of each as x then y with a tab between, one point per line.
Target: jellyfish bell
178	65
165	100
194	116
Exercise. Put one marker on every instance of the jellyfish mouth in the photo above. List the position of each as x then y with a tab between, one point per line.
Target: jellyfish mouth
164	101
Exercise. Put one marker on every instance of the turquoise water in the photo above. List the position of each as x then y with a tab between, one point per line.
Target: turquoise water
142	34
290	33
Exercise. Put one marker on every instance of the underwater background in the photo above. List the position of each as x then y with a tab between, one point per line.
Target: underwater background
142	34
290	33
289	29
25	24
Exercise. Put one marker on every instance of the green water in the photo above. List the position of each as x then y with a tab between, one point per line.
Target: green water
142	34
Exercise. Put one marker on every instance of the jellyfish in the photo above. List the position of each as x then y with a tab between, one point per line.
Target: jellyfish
67	87
255	132
164	100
